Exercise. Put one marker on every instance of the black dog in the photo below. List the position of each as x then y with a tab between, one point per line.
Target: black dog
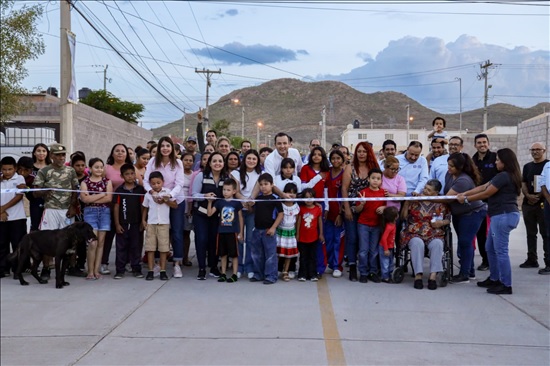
60	244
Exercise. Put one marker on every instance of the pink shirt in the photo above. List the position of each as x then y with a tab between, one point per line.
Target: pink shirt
173	178
114	176
393	186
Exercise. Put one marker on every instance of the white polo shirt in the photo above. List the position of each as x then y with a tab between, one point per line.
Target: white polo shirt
272	164
16	212
158	213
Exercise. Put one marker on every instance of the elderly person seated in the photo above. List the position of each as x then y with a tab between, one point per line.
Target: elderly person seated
424	222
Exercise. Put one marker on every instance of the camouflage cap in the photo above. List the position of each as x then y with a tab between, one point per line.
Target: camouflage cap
58	149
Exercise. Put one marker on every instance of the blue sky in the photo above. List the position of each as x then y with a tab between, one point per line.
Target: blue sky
418	49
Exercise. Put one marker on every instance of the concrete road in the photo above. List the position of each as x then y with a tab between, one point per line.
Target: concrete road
332	322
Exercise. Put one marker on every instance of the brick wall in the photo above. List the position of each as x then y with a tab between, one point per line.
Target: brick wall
536	129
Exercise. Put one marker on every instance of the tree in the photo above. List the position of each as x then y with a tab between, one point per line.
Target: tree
222	128
108	103
19	42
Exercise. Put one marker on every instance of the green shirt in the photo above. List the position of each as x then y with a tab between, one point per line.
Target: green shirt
62	178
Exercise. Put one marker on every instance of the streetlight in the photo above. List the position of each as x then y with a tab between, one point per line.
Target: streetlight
258	125
460	89
409	120
238	102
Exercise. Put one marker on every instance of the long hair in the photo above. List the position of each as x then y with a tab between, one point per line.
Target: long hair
48	159
284	163
111	159
242	170
371	157
324	165
464	163
511	166
172	156
208	170
232	153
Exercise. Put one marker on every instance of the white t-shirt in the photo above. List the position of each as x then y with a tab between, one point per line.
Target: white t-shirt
17	211
252	178
272	164
158	213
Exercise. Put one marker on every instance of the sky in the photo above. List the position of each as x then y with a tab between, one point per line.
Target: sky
419	48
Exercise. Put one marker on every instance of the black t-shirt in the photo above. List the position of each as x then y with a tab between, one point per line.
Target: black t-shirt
486	166
129	210
266	211
229	215
506	199
529	171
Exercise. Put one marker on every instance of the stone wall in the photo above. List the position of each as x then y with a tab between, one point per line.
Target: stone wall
536	129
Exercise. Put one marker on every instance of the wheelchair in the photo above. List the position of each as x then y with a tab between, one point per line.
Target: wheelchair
403	259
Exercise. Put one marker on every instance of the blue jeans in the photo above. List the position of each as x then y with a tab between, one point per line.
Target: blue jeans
333	238
245	258
386	263
497	246
368	248
351	239
466	227
177	217
264	255
98	217
206	233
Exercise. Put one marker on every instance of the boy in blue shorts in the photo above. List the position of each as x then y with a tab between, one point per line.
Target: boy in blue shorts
230	230
269	214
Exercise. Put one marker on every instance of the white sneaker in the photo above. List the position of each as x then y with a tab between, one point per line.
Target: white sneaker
337	273
177	271
250	275
104	270
239	274
292	275
156	270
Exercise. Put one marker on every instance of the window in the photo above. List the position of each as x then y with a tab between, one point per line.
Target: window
389	136
362	136
413	136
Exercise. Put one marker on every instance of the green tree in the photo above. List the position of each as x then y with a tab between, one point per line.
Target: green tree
108	103
19	42
222	128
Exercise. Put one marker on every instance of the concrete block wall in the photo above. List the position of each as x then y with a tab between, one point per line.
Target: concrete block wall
96	132
496	142
536	129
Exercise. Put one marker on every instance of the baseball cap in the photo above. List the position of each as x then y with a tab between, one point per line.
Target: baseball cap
58	149
191	138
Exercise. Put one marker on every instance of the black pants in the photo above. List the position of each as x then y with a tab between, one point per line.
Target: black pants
308	260
482	239
11	233
108	245
533	216
128	248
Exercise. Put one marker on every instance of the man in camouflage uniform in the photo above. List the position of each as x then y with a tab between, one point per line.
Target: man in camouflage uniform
59	206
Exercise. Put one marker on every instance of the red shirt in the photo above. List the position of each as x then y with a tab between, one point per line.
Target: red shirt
307	174
369	216
387	241
309	224
334	186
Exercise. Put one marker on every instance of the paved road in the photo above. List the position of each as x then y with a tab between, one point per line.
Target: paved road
334	321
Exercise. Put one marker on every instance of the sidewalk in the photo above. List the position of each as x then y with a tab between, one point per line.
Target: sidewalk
188	322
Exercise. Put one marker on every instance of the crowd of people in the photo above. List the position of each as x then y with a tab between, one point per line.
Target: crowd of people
273	214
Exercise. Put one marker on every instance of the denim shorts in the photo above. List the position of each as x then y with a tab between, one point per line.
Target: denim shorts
98	217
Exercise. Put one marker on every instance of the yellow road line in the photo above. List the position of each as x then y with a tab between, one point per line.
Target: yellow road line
333	344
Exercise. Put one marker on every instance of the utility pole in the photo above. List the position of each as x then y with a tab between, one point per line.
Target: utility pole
484	75
460	90
183	122
66	107
324	128
208	85
408	124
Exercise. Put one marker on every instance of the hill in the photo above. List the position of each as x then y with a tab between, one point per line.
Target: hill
295	107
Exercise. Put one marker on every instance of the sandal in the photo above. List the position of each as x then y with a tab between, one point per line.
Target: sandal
286	277
97	276
91	278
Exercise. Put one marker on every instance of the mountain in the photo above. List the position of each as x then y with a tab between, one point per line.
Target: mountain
295	107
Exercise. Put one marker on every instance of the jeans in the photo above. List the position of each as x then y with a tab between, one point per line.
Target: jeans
368	248
466	227
333	239
351	239
435	248
533	216
386	263
98	217
177	221
482	235
245	258
497	246
264	255
206	232
308	260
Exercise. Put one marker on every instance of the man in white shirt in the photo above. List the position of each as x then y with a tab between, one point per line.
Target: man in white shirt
414	168
272	164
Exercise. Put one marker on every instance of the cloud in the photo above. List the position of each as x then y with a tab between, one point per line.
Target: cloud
239	54
228	13
425	69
